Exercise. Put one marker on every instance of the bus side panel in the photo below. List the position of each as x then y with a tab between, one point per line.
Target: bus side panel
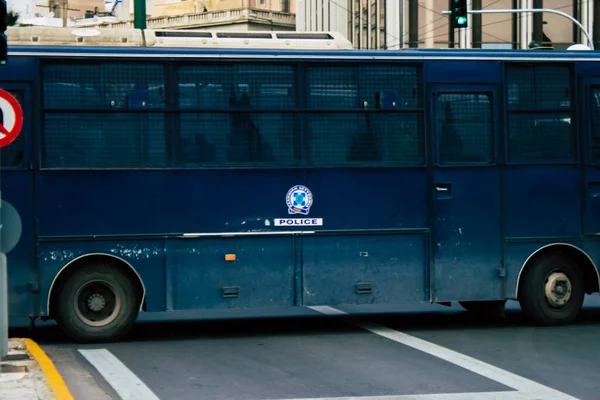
147	257
211	273
542	201
369	198
364	269
377	223
162	202
16	189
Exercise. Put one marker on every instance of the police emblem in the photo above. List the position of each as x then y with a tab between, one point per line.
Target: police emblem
299	199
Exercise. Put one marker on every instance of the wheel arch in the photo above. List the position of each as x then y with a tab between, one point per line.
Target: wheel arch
116	262
584	262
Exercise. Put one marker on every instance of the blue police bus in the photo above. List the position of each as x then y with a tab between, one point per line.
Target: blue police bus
179	170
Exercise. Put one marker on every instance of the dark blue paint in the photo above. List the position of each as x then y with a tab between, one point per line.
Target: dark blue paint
263	272
225	201
16	190
592	201
463	73
467	235
394	265
542	201
381	225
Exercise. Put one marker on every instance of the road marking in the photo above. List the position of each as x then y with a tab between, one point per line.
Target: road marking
444	396
56	382
506	378
127	385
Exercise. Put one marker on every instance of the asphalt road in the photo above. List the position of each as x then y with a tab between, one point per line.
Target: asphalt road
303	354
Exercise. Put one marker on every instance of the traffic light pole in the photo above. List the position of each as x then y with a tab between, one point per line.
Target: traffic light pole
531	10
462	38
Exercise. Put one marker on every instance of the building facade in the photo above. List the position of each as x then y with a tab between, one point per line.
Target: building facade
385	24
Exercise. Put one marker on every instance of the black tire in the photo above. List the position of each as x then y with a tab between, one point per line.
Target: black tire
97	303
563	304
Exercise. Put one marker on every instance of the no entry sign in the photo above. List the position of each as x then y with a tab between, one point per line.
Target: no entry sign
12	118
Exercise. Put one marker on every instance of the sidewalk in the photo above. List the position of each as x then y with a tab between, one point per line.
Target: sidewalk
28	374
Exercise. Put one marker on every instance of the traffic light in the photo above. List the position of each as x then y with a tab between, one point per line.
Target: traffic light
459	13
3	24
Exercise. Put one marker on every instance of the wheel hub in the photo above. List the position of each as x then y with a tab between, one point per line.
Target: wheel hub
558	289
96	302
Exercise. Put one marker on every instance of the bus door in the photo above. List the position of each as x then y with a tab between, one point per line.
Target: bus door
466	194
591	220
17	196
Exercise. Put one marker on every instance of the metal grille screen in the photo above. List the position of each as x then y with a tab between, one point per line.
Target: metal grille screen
540	114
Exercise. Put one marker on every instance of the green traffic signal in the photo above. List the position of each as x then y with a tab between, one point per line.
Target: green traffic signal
459	13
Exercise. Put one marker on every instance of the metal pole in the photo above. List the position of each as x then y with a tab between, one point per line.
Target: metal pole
576	36
584	17
533	10
64	5
378	24
538	20
462	38
476	25
139	14
360	24
430	38
596	30
369	25
524	28
515	27
3	307
413	23
451	37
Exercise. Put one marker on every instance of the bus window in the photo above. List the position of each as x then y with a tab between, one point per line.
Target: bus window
372	115
539	114
462	138
241	114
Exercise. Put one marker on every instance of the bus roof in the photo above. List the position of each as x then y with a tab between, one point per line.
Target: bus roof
135	43
175	38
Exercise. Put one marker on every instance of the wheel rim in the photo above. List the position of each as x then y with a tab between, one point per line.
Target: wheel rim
97	303
557	289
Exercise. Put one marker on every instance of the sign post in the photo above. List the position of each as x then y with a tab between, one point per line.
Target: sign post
10	127
3	307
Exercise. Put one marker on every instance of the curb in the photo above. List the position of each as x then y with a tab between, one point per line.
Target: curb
55	381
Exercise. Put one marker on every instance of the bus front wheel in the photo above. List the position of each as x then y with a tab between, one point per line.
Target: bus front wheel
552	290
97	303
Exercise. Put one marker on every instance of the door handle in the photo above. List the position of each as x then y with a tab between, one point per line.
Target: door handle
593	189
443	190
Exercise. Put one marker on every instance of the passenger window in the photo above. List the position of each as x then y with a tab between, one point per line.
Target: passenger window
540	114
463	139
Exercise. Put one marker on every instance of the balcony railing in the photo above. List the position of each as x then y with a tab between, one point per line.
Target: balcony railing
201	20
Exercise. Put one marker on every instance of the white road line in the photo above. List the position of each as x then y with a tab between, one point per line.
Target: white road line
444	396
479	367
124	382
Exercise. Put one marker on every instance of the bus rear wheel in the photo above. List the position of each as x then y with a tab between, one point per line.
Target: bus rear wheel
552	291
97	303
